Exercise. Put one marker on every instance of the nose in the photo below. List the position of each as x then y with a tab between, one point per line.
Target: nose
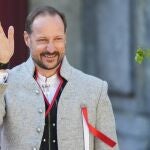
50	47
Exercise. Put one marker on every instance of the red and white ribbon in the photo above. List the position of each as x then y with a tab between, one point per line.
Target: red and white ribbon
98	134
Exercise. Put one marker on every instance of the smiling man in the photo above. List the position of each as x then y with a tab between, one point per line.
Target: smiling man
46	104
46	38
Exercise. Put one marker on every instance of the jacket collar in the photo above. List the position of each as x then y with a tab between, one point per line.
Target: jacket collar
65	69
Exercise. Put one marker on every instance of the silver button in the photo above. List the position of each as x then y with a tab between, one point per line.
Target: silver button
44	140
54	141
38	130
40	110
54	124
37	91
34	148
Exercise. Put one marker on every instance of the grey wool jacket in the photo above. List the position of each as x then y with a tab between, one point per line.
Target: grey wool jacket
22	110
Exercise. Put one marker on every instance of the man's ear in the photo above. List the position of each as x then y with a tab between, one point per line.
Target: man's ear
26	38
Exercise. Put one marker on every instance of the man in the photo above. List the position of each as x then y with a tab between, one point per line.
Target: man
45	103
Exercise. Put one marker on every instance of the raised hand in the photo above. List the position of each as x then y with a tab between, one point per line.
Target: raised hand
6	44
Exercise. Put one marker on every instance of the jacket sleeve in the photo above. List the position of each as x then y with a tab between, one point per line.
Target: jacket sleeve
2	102
105	121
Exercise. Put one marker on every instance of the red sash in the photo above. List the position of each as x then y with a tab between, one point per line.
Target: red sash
97	133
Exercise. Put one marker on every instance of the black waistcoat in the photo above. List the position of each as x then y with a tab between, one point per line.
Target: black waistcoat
49	139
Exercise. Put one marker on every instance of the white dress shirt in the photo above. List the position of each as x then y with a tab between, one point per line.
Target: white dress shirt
48	85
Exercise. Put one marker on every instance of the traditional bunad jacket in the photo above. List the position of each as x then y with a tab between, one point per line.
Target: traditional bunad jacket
22	111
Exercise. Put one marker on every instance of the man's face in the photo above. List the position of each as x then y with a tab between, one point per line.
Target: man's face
47	41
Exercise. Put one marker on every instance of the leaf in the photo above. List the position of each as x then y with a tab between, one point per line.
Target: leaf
139	57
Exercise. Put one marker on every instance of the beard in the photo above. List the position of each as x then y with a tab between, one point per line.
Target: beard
49	65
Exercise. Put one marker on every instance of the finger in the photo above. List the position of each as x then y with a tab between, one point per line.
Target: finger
1	30
11	37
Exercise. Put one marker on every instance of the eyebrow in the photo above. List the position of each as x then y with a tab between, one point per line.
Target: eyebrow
44	36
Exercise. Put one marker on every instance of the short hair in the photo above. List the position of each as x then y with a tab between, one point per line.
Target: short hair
41	11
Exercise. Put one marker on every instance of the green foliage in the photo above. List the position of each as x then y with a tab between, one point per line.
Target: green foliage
141	54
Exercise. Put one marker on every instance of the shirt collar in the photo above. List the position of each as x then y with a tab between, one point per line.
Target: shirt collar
51	81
